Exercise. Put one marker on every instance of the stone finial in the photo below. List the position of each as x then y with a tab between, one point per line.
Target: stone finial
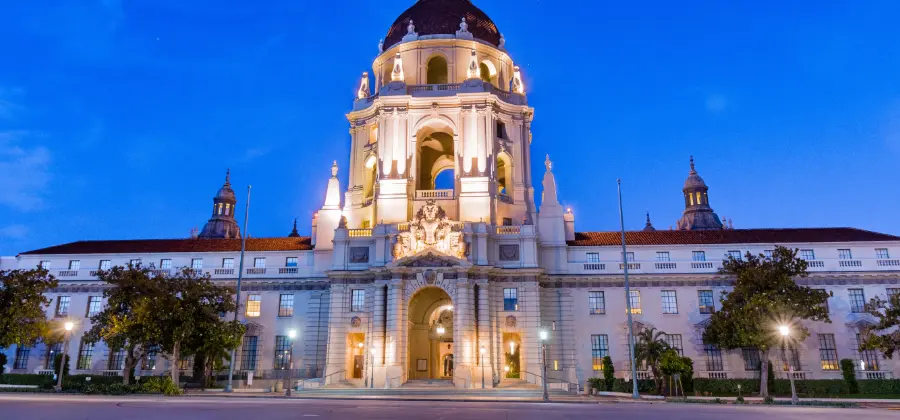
294	233
463	26
474	71
410	29
548	164
363	91
693	170
381	45
334	169
228	176
648	227
517	85
342	224
397	74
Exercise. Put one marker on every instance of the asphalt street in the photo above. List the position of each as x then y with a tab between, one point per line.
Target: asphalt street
40	407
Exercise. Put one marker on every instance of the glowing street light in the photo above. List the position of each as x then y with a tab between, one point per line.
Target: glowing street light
544	335
292	333
784	330
440	329
482	351
68	326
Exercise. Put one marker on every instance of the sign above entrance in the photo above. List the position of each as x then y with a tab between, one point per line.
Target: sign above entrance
431	229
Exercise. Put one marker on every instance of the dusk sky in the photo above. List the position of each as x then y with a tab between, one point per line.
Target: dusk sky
119	118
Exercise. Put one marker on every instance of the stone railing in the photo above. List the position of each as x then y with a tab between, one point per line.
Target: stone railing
67	273
94	273
287	270
594	267
224	271
429	90
849	263
701	265
505	198
631	266
509	230
889	263
359	233
666	266
434	194
874	375
160	272
256	270
815	264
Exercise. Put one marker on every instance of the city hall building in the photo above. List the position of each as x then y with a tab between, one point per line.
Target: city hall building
401	281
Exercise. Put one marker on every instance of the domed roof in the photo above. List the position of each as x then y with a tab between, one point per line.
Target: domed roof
693	180
442	17
226	192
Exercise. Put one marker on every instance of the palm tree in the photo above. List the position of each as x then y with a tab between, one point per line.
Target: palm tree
650	345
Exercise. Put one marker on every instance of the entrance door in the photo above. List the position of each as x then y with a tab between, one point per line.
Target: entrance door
358	366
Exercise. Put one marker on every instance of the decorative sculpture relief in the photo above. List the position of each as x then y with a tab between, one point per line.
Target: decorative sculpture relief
509	252
511	322
431	229
359	254
355	322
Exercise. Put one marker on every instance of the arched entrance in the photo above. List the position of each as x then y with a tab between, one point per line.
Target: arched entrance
430	335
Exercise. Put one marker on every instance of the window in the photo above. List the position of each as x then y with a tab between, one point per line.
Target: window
185	362
197	263
135	262
597	302
94	306
807	254
868	359
357	300
85	353
290	262
751	358
45	264
845	254
254	304
735	254
165	264
706	303
790	358
713	358
227	262
74	265
50	353
507	221
768	253
249	353
599	350
105	265
669	302
634	298
116	360
857	301
882	253
629	256
62	306
282	352
501	129
674	341
21	361
149	362
286	305
663	256
828	352
510	299
593	257
259	262
698	256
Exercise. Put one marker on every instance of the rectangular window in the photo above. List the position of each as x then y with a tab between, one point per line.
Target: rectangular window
105	265
149	362
593	257
599	350
868	359
116	360
882	253
735	254
634	297
698	256
286	305
259	262
857	301
751	358
510	299
768	253
74	265
357	300
227	262
790	358
62	306
290	262
249	353
85	353
254	305
828	352
714	359
597	302
94	306
282	352
135	262
706	302
507	221
21	361
501	130
197	263
165	264
663	256
845	254
807	254
50	353
629	256
45	264
674	341
669	302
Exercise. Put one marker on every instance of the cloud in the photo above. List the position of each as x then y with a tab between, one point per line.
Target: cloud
253	153
716	103
14	232
24	170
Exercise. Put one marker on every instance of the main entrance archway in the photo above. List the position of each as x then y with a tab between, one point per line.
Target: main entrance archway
430	335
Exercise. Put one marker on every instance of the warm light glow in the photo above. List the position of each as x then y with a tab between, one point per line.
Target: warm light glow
482	350
543	335
512	347
449	307
784	330
360	345
292	334
506	368
441	330
373	351
69	325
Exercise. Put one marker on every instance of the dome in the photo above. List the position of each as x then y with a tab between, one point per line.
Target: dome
442	17
693	180
226	192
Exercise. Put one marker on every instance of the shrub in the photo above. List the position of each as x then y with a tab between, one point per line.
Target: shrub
687	376
849	373
739	400
597	383
42	381
2	362
769	400
644	385
164	385
770	379
609	373
56	360
879	387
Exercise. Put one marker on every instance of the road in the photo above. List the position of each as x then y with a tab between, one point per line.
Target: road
48	407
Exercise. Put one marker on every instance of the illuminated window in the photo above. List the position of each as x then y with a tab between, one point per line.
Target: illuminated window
663	256
95	305
290	262
510	299
698	256
357	300
105	265
597	302
593	257
165	264
366	224
868	359
790	358
857	301
227	262
85	354
599	350
845	254
807	254
254	304
882	253
669	302
286	305
227	209
634	297
828	352
74	265
706	303
691	196
699	201
62	306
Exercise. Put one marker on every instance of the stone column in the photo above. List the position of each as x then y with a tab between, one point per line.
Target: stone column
463	334
336	360
530	303
377	338
395	332
484	336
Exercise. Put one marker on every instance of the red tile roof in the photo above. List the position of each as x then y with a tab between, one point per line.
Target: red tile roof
146	246
734	236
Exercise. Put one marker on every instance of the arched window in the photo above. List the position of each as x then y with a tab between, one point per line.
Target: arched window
485	72
369	178
436	71
504	175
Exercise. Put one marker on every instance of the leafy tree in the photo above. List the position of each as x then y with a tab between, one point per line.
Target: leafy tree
2	362
57	359
213	345
848	371
609	373
649	347
671	364
23	321
765	295
687	375
125	323
884	335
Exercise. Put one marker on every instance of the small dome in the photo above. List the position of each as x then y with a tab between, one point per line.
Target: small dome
226	192
442	17
693	180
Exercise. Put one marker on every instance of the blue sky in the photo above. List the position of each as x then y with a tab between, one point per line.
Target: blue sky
119	118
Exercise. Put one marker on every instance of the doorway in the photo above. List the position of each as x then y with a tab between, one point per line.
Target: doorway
430	335
358	361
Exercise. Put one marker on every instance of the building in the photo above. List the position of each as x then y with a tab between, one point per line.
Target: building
401	280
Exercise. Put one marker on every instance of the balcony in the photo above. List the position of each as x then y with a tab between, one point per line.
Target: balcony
160	272
359	233
631	266
874	375
433	90
666	266
67	273
509	230
256	271
889	263
287	270
850	263
594	267
815	264
224	271
434	195
701	265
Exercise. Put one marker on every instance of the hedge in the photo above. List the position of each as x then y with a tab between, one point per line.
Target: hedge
47	382
111	385
805	388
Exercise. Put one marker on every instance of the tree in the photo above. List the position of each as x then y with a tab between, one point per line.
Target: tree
765	295
650	345
884	335
212	346
23	321
125	323
609	373
671	364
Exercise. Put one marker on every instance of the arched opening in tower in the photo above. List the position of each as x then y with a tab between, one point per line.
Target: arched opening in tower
436	71
435	161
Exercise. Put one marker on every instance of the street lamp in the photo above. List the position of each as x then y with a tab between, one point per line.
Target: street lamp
372	369
291	334
482	350
69	325
543	334
785	333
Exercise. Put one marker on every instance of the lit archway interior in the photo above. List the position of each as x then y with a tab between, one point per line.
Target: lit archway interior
430	335
435	155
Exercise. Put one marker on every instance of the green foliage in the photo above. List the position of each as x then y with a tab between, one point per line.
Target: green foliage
768	400
770	378
609	373
812	388
56	361
159	385
882	336
848	370
725	387
2	362
687	376
42	381
22	301
739	400
879	387
650	345
645	386
598	384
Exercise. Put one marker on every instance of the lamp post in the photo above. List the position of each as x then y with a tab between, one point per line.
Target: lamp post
62	360
785	333
543	335
372	369
482	350
291	334
237	297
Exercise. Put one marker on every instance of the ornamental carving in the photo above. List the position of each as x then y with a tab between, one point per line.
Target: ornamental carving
355	322
431	229
511	322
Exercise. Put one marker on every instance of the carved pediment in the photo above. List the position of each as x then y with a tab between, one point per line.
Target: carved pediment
428	260
430	229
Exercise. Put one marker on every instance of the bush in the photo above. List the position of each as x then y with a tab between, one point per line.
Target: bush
687	377
42	381
848	370
609	373
879	387
739	400
725	386
644	386
2	362
770	379
56	360
769	400
164	385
